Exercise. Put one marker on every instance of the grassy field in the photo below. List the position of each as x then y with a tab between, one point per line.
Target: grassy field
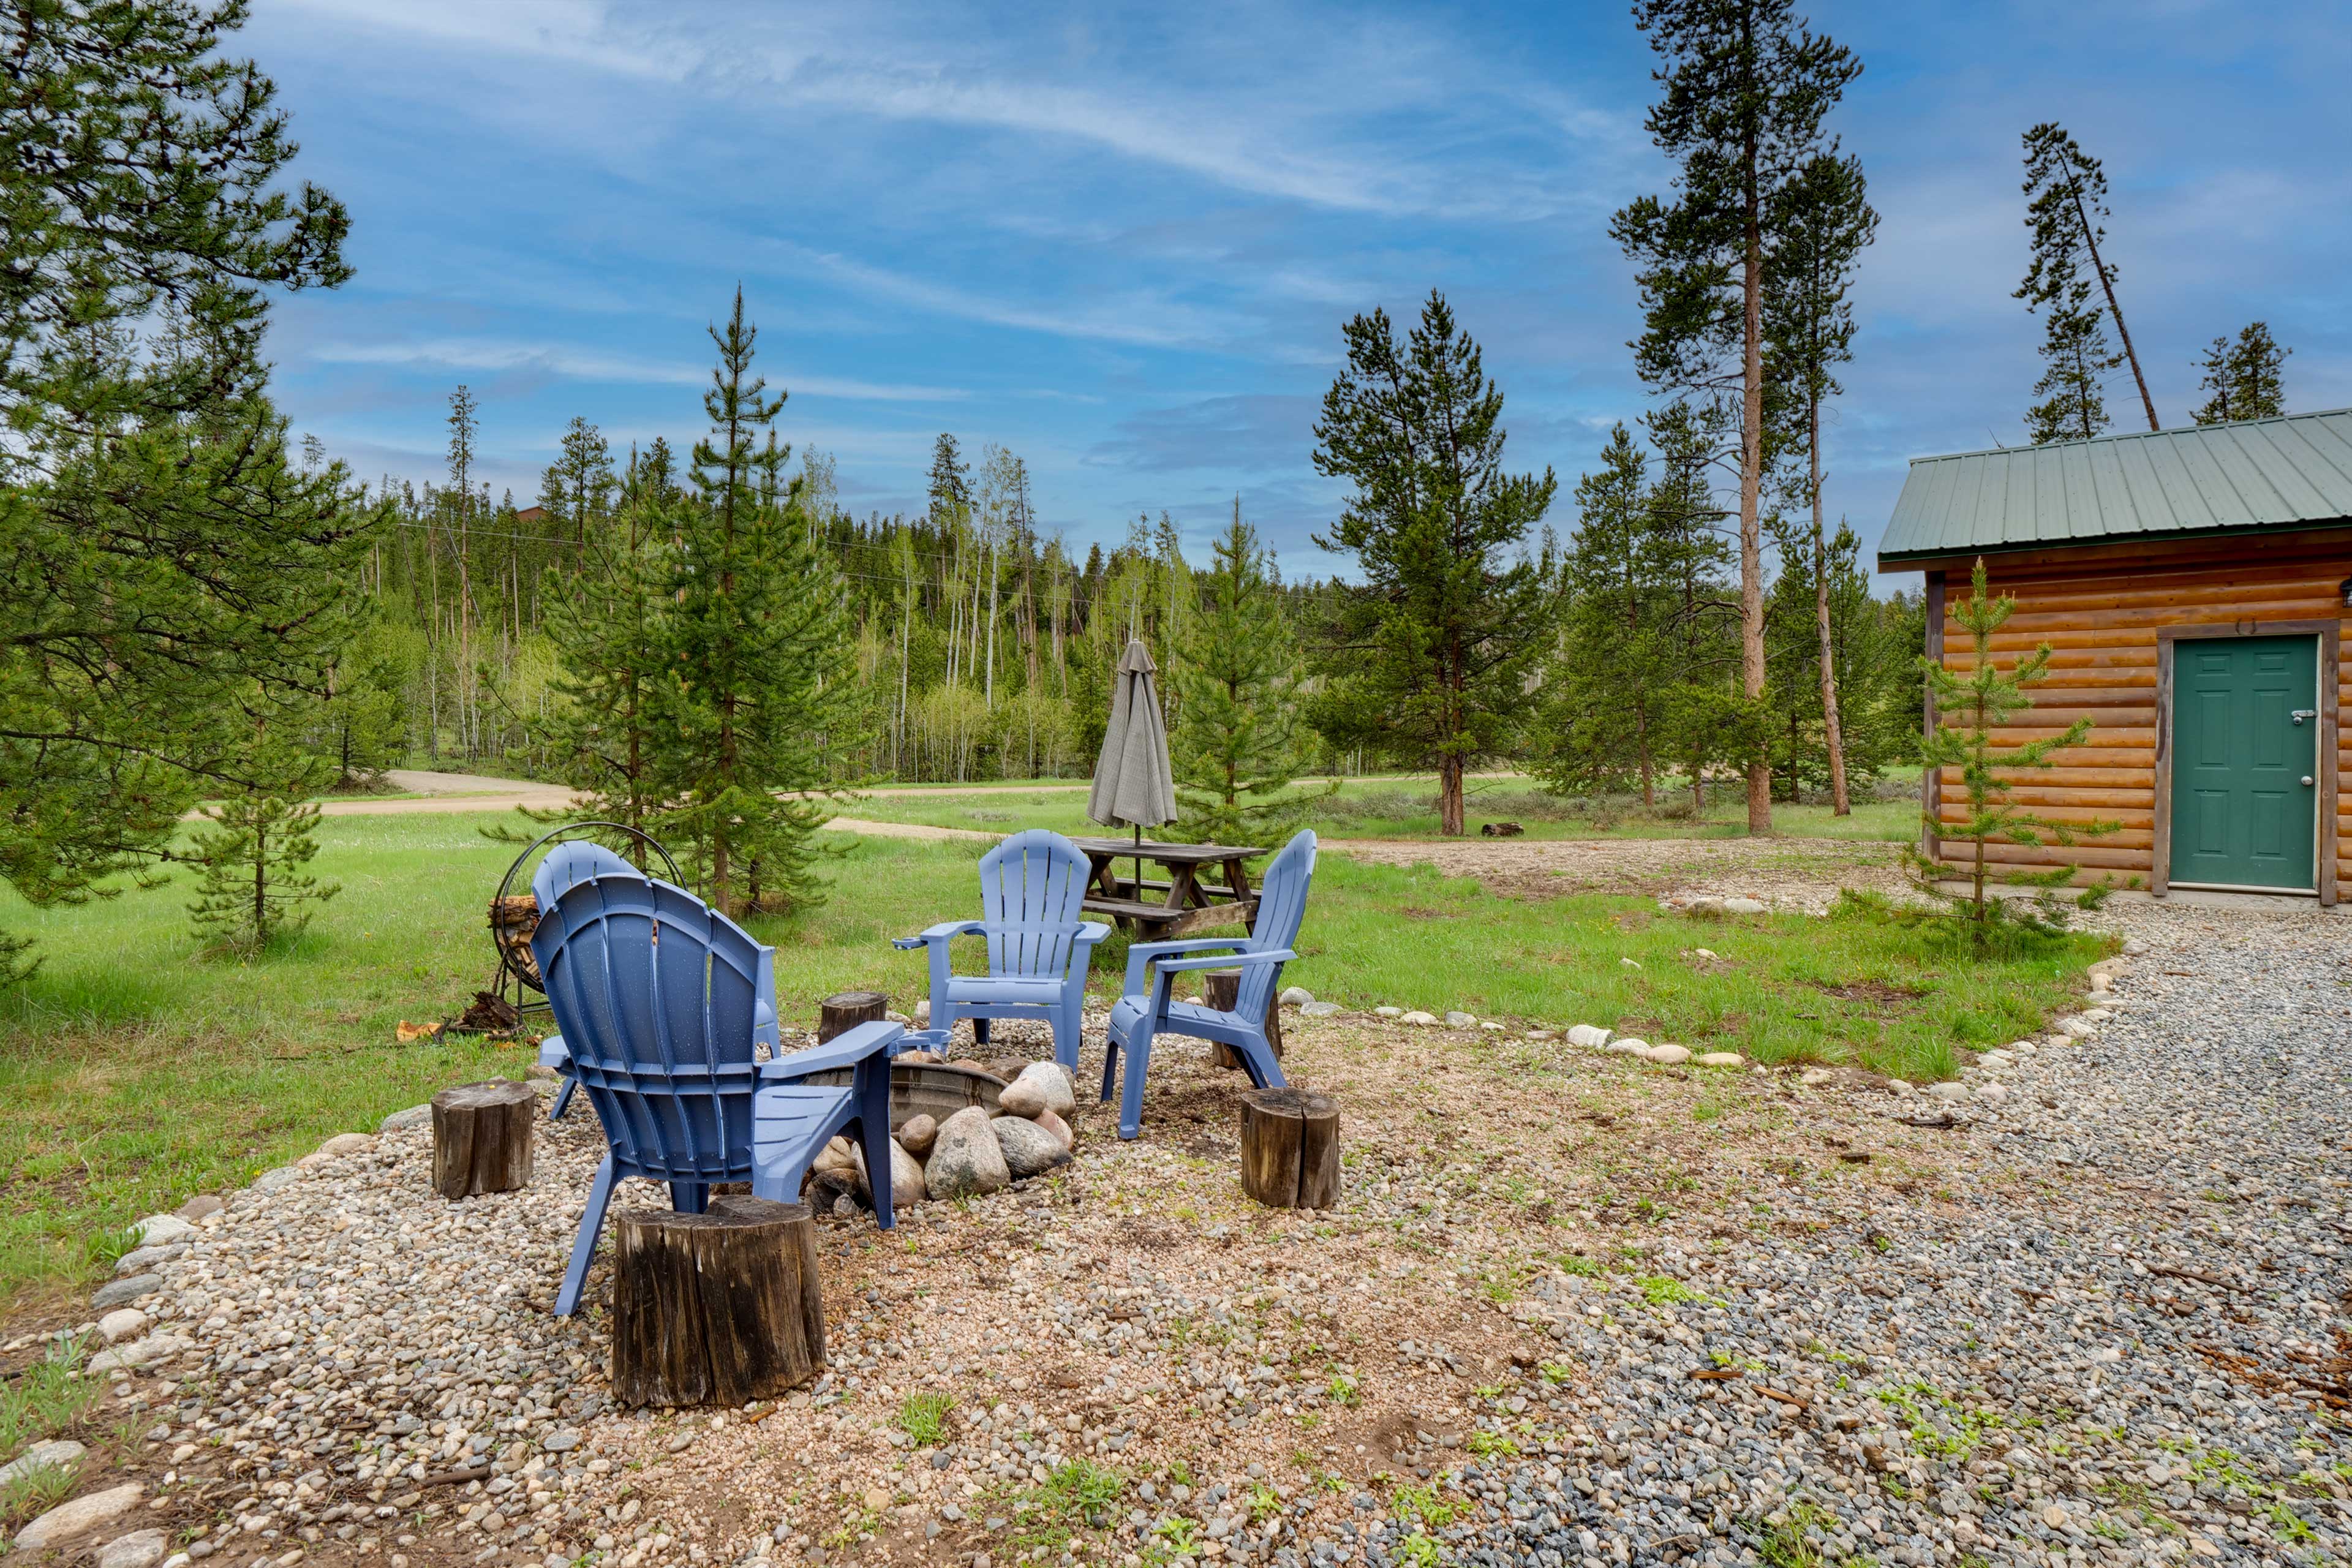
1389	808
135	1069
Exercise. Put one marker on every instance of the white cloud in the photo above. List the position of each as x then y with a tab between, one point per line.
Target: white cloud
487	354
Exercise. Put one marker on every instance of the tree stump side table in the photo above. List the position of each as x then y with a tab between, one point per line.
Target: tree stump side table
481	1138
715	1308
844	1010
1290	1148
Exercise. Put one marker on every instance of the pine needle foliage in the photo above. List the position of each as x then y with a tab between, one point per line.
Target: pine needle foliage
1971	706
757	641
2243	380
1234	750
255	889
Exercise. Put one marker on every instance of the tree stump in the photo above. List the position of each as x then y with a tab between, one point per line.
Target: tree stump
1219	989
715	1308
844	1010
481	1138
1290	1148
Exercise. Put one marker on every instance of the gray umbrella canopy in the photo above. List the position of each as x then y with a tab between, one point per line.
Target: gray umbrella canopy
1133	782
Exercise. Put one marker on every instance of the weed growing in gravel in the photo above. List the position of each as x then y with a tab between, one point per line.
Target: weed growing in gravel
1788	1544
1662	1290
923	1418
47	1396
36	1492
1077	1494
1422	1506
1962	1431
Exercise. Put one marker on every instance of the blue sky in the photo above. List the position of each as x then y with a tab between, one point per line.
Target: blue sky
1123	243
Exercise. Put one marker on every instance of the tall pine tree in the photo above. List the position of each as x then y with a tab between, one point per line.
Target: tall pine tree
1744	88
757	639
1825	223
1236	665
172	574
1431	653
2067	200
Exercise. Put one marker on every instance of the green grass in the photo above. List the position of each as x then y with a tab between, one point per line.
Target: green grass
136	1070
923	1417
1392	808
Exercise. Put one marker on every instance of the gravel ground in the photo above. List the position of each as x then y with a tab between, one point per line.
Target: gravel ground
2091	1312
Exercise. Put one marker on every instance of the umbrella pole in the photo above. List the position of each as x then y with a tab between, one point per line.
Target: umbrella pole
1137	829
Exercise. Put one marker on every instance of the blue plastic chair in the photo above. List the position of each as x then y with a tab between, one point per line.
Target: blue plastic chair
1033	890
661	1001
1147	1010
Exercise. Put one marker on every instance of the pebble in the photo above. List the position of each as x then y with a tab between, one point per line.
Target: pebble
1948	1093
139	1548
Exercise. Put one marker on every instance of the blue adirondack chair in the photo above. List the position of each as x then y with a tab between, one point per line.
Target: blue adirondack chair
661	1000
1033	888
1147	1010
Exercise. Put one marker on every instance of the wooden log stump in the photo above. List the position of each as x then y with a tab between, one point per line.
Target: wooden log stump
481	1138
844	1010
1290	1148
719	1308
1221	988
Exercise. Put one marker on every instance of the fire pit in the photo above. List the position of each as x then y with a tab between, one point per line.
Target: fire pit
515	915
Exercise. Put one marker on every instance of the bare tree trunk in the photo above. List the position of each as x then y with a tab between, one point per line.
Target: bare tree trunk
2108	284
1840	805
1449	795
1752	480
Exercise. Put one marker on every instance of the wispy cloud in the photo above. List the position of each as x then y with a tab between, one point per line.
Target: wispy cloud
486	354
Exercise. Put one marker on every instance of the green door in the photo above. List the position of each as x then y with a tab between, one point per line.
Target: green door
2245	748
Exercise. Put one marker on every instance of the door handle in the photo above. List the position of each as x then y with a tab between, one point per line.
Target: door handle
2306	781
2300	714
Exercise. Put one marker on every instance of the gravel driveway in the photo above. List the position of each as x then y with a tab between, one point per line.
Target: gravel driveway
1576	1309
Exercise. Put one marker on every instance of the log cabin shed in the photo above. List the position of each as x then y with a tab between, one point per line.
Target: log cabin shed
2192	586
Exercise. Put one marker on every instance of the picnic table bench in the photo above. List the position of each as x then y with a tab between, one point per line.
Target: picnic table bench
1187	903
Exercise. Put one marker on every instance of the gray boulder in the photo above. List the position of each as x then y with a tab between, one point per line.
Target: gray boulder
162	1229
906	1177
1295	996
1318	1009
967	1161
122	1292
414	1116
57	1455
916	1133
1458	1019
139	1548
82	1515
1040	1086
1029	1149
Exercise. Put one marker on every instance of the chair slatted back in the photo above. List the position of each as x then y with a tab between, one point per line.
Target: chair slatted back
1033	890
1281	908
660	1000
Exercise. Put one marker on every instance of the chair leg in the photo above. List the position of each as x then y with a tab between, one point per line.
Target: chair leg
1069	1033
1131	1083
980	1031
1264	1071
690	1197
563	1100
591	1222
873	1085
1110	1064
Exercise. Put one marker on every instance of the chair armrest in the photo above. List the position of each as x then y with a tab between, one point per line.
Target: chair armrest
1271	955
941	933
844	1050
1143	953
553	1053
1092	931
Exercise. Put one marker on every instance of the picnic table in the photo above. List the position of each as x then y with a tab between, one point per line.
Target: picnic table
1187	902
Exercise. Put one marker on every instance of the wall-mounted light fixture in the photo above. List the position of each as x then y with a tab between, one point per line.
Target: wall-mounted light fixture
2344	591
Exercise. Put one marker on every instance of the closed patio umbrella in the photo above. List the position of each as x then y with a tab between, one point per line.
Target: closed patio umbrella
1134	782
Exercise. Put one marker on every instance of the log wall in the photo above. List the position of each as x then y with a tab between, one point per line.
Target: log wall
2104	613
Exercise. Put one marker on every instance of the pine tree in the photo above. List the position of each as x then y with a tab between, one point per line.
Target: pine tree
2247	379
1970	709
1605	701
1236	677
255	889
1825	223
757	642
1431	653
578	490
2068	193
1745	87
169	568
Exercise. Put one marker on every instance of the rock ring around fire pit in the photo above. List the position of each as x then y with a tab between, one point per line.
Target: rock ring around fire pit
957	1131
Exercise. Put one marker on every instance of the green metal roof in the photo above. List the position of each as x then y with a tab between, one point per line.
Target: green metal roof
2294	471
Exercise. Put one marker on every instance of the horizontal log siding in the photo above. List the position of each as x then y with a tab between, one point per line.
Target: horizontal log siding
2100	613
